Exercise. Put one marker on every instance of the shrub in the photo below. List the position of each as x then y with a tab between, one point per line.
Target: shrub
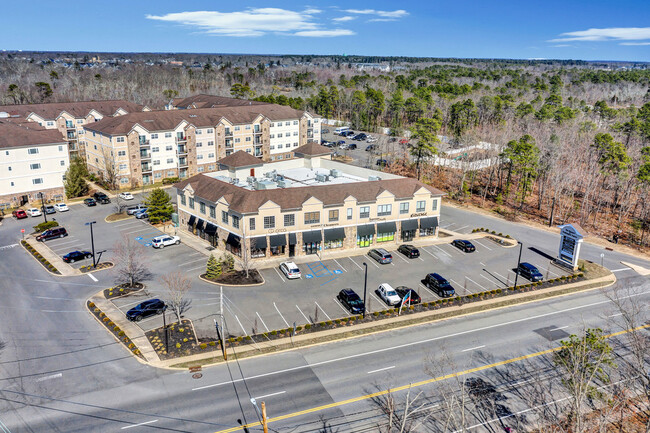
298	328
375	314
411	308
184	340
106	319
212	343
91	305
116	328
308	326
131	345
248	338
499	291
329	323
203	346
120	334
581	275
102	314
170	180
337	321
425	304
45	226
181	329
111	323
178	345
97	310
274	332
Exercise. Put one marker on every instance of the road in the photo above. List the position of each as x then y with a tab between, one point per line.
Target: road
60	372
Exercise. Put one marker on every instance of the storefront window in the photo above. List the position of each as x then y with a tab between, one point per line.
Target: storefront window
338	243
258	252
427	232
364	241
311	247
277	251
385	237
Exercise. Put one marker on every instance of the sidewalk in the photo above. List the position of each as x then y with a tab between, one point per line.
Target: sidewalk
65	269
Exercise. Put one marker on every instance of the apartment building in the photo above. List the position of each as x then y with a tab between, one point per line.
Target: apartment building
304	205
33	160
146	147
70	117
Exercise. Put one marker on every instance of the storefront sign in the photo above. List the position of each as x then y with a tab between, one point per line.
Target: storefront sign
415	215
276	230
570	241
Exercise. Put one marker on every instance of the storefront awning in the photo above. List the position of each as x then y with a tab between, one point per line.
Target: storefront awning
429	223
388	227
334	234
258	243
191	221
366	230
312	236
210	229
199	225
408	225
278	240
292	239
233	240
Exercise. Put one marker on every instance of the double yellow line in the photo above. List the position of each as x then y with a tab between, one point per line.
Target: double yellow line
416	384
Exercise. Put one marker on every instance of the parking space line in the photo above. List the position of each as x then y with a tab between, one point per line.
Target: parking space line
458	285
483	288
377	299
278	272
66	248
381	369
342	308
329	281
473	348
481	244
262	320
92	277
549	270
399	255
285	320
269	395
419	257
492	281
194	269
429	252
355	263
242	326
373	262
427	289
191	261
321	308
303	314
136	231
459	229
126	223
54	245
504	278
337	262
453	248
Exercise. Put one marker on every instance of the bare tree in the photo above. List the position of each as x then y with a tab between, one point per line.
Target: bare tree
177	285
247	246
110	168
129	262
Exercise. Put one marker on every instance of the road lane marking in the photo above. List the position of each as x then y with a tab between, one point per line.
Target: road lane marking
269	395
483	245
278	272
51	376
303	314
340	266
285	320
473	348
432	339
355	263
615	315
139	424
381	369
321	308
621	270
559	328
7	247
92	277
262	320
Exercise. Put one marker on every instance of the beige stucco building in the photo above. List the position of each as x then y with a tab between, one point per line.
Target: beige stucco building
302	206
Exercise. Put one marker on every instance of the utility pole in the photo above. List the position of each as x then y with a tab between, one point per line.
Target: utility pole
521	247
365	286
92	241
43	206
264	423
222	337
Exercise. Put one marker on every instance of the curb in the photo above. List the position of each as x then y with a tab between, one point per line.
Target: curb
117	221
235	285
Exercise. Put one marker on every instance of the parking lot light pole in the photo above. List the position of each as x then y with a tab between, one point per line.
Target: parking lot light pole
43	206
365	286
521	247
92	241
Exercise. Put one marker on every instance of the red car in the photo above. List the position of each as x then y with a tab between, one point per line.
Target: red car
19	214
403	141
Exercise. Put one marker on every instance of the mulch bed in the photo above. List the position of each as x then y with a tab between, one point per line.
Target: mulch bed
237	278
42	260
180	341
122	290
113	328
89	268
118	217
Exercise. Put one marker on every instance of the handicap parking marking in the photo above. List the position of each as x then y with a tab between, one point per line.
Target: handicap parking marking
309	276
319	269
338	271
329	281
148	244
337	262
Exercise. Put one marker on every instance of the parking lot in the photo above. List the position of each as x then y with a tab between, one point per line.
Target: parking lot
385	148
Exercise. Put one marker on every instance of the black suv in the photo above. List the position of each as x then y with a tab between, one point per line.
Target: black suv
409	251
351	300
146	309
529	271
56	232
464	245
361	137
102	198
439	285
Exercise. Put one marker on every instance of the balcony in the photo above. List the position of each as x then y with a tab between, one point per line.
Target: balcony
71	135
181	139
70	126
257	129
144	143
145	154
228	132
182	162
229	144
181	150
146	167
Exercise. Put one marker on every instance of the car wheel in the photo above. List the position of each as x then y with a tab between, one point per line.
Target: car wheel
60	236
159	311
162	245
137	318
177	242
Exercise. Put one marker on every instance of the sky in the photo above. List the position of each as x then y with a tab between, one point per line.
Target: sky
516	29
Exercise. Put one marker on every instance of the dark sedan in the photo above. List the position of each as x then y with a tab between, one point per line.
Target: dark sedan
146	309
464	245
90	202
75	256
409	251
403	290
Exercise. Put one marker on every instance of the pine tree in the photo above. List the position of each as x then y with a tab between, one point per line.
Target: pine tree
213	270
230	263
75	182
159	206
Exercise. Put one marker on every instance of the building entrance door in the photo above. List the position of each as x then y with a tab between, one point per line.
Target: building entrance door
312	247
292	250
408	235
365	241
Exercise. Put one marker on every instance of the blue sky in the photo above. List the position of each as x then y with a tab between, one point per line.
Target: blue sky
522	29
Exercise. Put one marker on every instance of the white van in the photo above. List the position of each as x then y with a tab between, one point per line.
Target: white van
340	129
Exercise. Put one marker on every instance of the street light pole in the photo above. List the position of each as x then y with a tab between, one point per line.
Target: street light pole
43	206
521	247
365	286
92	241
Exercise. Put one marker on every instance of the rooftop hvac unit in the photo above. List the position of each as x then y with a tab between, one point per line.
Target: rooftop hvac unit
265	184
270	174
335	173
251	179
374	178
284	183
234	181
322	178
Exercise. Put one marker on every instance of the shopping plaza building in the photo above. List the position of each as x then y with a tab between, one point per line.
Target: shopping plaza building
305	205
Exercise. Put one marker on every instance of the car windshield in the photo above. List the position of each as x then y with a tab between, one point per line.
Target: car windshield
294	270
356	302
391	293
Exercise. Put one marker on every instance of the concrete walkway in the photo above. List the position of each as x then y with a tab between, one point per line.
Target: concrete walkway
65	269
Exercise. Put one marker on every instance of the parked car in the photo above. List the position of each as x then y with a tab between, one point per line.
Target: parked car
325	131
56	232
348	134
402	291
164	240
146	309
19	214
61	207
126	196
409	251
142	214
290	270
371	147
340	142
341	129
464	245
371	140
49	209
381	255
352	146
439	285
343	145
388	294
360	137
90	202
351	301
75	256
381	163
34	212
102	198
529	271
132	210
403	141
